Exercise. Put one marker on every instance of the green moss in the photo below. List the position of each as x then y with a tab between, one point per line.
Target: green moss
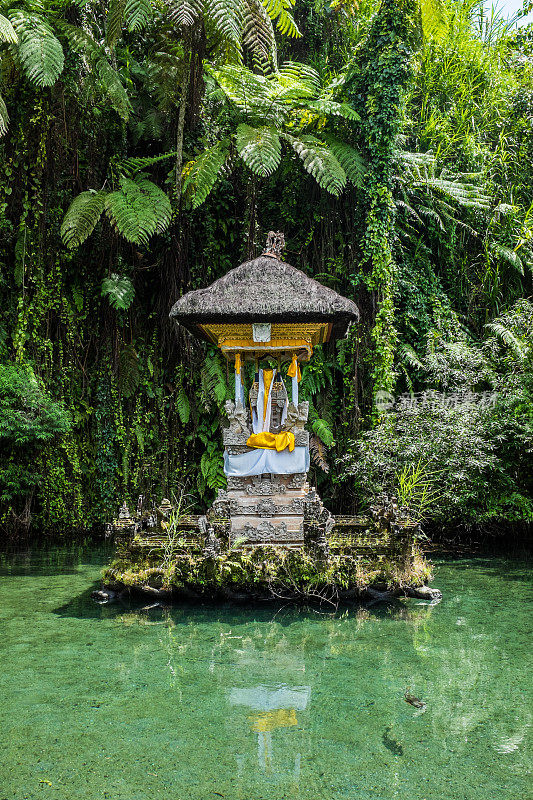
275	570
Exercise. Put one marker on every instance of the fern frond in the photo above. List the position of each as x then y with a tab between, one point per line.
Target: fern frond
329	108
7	31
508	338
286	24
320	162
115	20
4	116
110	83
40	51
257	32
139	209
226	17
185	12
81	217
138	14
119	291
201	175
259	148
129	166
509	255
279	12
323	431
129	376
409	355
350	160
183	406
465	194
216	379
296	71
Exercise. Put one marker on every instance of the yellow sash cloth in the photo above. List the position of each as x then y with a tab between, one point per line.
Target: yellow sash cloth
272	441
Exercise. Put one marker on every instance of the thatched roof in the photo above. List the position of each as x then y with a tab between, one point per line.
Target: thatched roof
265	289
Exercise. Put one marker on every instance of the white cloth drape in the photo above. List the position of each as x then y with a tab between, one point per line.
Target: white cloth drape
260	419
259	462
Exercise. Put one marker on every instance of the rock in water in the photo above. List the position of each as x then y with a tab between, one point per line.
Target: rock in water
413	701
103	596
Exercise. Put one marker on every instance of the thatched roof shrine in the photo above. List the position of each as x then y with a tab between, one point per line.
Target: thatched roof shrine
264	290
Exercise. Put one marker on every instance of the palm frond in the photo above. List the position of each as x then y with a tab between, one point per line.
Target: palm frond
279	12
81	217
259	148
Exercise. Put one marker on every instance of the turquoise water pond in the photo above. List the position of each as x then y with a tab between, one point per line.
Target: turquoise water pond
196	702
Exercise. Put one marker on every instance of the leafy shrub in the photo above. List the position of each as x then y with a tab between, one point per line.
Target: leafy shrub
29	418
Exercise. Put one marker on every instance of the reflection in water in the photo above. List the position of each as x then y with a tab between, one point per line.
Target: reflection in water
194	702
278	706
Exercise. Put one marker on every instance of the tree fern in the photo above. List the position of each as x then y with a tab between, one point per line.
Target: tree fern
108	77
4	116
332	109
81	217
279	11
320	162
226	17
258	33
350	160
40	52
201	175
7	31
115	20
138	14
259	148
185	12
129	166
139	209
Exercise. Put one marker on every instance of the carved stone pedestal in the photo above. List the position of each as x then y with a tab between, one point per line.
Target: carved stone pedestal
265	509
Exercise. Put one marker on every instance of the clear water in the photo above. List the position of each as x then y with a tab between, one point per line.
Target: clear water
192	703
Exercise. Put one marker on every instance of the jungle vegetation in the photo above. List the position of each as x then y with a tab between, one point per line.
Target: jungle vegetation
147	146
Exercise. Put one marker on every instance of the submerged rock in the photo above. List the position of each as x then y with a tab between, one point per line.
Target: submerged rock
102	596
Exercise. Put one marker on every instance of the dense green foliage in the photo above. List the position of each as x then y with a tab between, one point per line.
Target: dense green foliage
148	146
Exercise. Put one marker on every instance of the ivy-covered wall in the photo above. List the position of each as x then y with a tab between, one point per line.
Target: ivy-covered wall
429	234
